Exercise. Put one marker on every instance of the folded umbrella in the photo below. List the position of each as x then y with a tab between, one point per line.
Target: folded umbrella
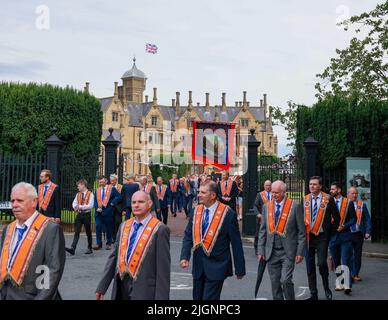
260	273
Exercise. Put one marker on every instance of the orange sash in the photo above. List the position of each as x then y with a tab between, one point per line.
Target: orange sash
359	211
175	186
148	188
162	193
118	187
282	222
86	200
43	202
210	238
264	196
343	210
320	214
107	196
139	252
18	268
226	192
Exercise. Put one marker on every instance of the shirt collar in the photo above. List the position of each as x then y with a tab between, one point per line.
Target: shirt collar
281	203
145	220
213	207
28	222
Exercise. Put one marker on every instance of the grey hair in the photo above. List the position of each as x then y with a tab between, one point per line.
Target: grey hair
113	176
28	187
283	186
210	185
143	192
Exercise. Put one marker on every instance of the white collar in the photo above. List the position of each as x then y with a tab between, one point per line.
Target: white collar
145	220
281	203
213	207
28	222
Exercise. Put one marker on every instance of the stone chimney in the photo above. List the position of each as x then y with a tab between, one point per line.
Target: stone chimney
244	105
173	103
177	104
190	104
223	106
116	92
155	99
240	104
198	104
207	104
146	98
236	104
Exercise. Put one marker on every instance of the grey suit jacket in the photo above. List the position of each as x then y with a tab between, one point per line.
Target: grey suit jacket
153	279
50	252
295	238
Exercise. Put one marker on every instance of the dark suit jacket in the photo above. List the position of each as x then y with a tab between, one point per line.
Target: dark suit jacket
49	251
153	279
154	198
54	206
331	212
126	193
166	199
217	266
233	195
114	199
365	224
350	219
258	205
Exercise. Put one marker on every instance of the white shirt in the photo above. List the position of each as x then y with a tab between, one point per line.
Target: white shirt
85	207
144	222
281	206
212	211
14	238
339	203
319	198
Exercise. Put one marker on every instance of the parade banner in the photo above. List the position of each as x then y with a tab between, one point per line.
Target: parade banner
213	143
358	175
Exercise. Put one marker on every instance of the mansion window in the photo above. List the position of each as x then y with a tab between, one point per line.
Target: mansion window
115	116
244	123
154	120
270	142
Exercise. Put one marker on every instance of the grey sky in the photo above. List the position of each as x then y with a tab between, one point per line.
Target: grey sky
212	46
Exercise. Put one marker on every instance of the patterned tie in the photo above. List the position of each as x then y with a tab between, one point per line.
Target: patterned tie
20	236
45	190
160	189
205	222
132	240
315	210
268	196
277	213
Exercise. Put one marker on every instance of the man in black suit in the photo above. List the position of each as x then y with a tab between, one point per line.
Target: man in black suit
227	191
128	189
48	197
322	220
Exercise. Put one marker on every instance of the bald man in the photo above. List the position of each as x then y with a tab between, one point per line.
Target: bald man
282	240
261	199
140	263
32	251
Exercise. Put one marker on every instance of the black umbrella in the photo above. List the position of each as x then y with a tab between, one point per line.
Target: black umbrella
260	272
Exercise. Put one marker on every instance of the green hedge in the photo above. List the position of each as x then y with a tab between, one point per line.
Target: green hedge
29	111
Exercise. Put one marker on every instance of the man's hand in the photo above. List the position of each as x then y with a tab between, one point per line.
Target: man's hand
99	210
367	235
260	258
57	220
258	217
184	264
158	210
298	259
340	228
99	296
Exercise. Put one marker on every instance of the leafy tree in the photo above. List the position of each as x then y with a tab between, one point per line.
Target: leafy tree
361	69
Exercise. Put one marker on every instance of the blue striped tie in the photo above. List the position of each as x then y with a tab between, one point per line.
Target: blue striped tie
132	240
45	190
315	210
205	222
277	213
20	236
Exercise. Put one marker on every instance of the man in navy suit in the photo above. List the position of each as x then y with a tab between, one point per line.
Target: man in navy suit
48	197
127	191
215	229
360	230
163	195
227	191
105	199
340	242
188	195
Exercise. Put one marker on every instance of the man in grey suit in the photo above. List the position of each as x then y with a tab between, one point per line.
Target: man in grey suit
282	240
140	263
32	250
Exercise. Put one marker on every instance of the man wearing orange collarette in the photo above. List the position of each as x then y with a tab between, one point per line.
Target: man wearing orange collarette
140	263
48	197
282	240
212	228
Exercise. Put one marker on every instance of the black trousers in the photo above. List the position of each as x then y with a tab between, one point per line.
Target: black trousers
163	214
256	235
357	242
118	218
317	245
86	220
205	289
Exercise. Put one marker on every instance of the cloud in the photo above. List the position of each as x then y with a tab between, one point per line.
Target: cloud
25	69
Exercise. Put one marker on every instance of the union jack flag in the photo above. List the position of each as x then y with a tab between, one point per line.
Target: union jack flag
151	48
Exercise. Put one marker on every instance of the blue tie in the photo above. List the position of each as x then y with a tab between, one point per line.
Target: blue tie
277	213
315	210
45	190
132	240
268	196
337	203
20	236
205	222
103	194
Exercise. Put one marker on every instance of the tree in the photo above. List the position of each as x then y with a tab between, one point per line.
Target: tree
360	70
